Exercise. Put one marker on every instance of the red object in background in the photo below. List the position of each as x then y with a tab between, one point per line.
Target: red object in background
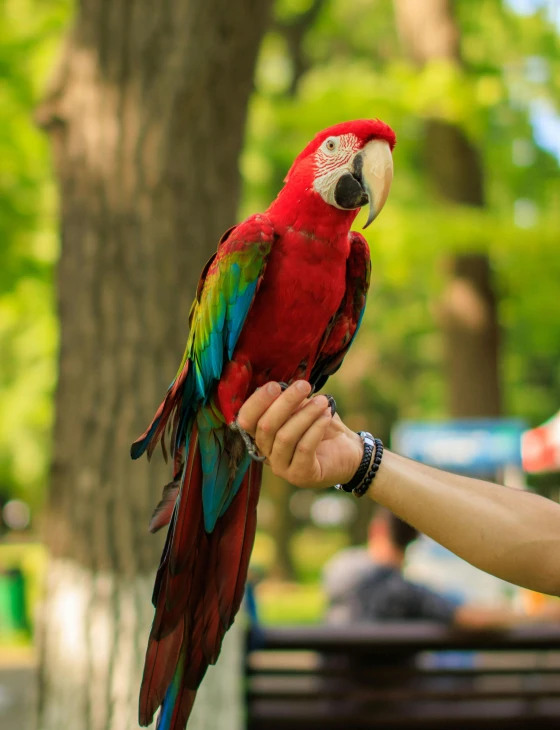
540	447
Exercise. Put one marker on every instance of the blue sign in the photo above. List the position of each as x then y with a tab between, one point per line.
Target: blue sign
478	445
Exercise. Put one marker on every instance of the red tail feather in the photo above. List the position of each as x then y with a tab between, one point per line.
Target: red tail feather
201	583
164	509
161	659
188	541
155	431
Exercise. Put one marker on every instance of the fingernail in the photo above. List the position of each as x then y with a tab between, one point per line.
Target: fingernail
327	413
302	386
273	388
321	401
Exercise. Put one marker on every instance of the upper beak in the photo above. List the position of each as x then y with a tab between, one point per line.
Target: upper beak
377	175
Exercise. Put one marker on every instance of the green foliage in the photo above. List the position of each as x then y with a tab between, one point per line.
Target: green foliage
356	68
29	33
294	603
31	559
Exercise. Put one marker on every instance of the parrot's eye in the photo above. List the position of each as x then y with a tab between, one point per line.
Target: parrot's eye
331	144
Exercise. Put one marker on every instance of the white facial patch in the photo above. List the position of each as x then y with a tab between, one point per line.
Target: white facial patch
333	158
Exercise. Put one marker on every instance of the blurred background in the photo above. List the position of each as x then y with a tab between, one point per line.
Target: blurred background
463	317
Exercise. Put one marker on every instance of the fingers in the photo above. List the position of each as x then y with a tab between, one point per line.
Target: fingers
278	413
303	462
294	435
287	427
255	406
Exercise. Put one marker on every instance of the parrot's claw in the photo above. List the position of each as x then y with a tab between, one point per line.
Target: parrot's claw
248	441
284	386
332	403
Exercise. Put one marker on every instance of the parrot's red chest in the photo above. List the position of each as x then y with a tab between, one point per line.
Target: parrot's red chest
303	287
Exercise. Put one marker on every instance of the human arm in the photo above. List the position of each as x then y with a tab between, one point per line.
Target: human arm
510	533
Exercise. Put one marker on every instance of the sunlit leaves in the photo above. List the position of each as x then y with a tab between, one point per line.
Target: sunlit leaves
357	70
29	34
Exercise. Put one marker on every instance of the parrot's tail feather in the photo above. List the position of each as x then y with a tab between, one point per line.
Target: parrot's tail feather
199	588
165	655
164	510
178	702
161	664
156	430
186	548
231	547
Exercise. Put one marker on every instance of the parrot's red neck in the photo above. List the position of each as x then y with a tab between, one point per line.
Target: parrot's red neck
300	208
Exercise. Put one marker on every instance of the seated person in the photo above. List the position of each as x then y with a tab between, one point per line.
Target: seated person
368	585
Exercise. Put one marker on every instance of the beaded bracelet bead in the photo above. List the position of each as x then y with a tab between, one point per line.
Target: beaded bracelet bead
362	488
368	468
362	471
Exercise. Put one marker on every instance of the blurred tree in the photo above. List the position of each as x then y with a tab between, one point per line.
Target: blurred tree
281	526
294	28
146	116
469	309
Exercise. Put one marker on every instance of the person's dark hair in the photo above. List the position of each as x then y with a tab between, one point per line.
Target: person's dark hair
402	534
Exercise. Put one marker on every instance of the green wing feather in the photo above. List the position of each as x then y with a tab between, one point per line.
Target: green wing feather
220	311
225	293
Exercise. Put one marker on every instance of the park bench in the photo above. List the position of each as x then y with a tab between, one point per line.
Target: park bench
413	676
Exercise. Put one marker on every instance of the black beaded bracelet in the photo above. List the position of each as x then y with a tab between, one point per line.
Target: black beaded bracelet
362	471
362	488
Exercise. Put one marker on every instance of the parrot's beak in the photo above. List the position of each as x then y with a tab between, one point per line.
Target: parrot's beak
376	175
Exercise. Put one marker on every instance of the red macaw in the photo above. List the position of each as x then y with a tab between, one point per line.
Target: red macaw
282	299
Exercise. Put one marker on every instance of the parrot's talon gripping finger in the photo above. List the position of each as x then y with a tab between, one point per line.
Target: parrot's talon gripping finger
283	386
332	403
248	441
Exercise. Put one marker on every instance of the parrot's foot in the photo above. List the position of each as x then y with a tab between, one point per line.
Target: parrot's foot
248	441
284	386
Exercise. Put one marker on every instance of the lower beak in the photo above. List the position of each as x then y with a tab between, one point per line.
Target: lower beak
376	175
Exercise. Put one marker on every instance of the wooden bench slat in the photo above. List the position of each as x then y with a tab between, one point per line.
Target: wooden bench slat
394	638
314	715
395	676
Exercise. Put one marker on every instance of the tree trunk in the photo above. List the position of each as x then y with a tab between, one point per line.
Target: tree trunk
471	327
469	308
146	116
282	527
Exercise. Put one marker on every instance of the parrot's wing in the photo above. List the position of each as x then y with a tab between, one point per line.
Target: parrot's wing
225	298
344	326
225	293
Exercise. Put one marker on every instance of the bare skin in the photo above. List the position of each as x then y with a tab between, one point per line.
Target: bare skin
512	534
384	551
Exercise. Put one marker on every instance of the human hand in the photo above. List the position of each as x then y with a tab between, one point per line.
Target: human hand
302	442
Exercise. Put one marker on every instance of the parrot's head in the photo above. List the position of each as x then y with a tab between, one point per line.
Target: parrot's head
347	166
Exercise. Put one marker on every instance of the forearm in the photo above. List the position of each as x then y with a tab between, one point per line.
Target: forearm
510	533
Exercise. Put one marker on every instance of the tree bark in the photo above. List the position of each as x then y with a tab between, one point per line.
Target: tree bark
470	321
469	307
146	115
283	526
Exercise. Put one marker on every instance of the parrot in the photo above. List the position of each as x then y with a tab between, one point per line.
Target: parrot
281	299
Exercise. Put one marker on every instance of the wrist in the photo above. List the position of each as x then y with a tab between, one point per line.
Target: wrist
381	483
357	455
